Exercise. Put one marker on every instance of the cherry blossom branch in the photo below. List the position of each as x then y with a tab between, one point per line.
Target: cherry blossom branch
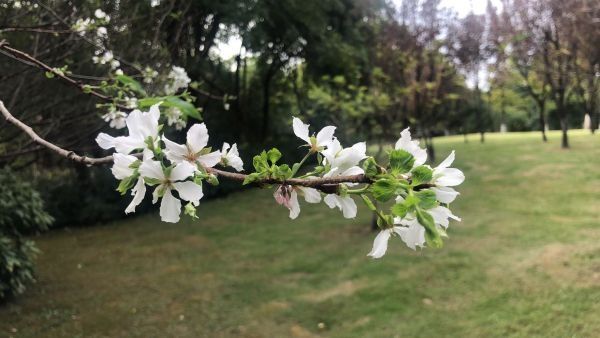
34	62
327	185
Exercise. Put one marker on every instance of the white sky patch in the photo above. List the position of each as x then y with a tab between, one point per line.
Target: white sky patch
464	7
228	49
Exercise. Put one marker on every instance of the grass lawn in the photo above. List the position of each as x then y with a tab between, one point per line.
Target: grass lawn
525	262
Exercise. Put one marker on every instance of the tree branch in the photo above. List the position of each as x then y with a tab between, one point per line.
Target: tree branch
32	61
328	185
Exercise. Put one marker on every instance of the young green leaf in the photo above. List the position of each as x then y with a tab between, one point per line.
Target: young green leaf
370	167
421	174
432	236
274	155
384	189
427	199
401	161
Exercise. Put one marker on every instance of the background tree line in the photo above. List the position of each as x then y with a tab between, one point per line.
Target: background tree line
369	66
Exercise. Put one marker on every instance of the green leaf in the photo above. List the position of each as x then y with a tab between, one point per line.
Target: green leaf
384	189
260	162
274	155
127	184
251	178
49	75
401	161
432	236
370	168
427	199
400	209
132	84
282	172
421	174
187	108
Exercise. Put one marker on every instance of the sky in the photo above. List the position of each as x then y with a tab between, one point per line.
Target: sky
463	7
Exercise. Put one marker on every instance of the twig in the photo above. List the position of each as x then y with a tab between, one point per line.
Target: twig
32	61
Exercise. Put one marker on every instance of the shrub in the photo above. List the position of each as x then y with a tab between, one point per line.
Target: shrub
21	213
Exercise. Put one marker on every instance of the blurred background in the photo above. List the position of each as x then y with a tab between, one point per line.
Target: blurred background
512	85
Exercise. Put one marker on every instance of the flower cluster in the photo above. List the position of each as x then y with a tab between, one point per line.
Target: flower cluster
145	157
177	79
416	196
421	194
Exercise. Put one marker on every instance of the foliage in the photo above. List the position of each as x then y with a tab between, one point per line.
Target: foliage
21	213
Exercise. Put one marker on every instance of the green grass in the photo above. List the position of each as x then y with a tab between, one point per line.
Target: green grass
525	262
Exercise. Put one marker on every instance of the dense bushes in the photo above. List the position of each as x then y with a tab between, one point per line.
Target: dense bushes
21	213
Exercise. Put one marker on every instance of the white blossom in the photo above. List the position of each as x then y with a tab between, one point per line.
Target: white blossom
121	170
444	178
143	130
231	157
174	179
106	57
116	119
287	196
192	151
178	79
130	102
100	14
406	143
101	32
316	143
149	74
343	162
82	25
175	118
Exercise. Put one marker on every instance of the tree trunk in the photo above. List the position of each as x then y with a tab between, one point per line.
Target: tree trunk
565	138
542	108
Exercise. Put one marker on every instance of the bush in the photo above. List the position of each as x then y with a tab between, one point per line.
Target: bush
21	213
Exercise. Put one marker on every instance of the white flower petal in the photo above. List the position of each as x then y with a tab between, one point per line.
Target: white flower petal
152	169
449	177
170	208
325	136
447	162
412	236
210	160
197	137
182	171
189	191
142	125
138	192
445	194
346	204
294	205
105	141
175	152
120	168
300	129
380	244
127	144
406	143
349	157
311	195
